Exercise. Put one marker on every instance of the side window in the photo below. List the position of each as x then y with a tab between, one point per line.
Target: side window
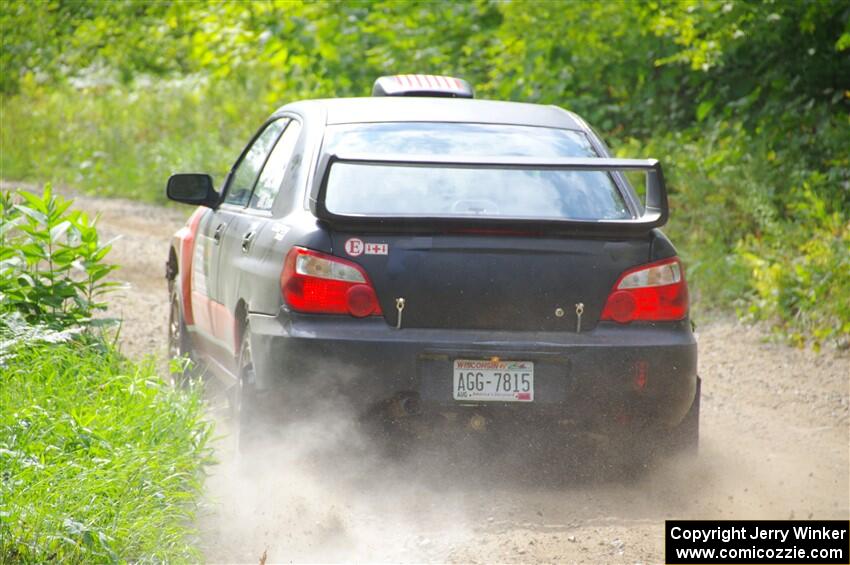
242	182
272	176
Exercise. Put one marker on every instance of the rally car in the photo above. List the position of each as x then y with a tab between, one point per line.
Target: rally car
442	259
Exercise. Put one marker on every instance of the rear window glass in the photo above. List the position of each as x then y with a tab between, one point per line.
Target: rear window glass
451	191
401	190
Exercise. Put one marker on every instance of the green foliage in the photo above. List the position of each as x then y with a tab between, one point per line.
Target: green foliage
745	102
760	224
52	267
100	461
118	141
48	38
800	273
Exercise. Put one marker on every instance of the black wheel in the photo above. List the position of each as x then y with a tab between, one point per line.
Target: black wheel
250	419
179	347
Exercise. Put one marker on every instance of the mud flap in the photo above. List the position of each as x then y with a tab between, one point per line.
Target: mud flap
684	438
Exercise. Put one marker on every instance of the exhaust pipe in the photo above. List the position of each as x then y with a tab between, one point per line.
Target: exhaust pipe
404	406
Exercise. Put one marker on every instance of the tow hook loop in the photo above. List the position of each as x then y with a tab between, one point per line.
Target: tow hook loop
579	312
478	423
399	305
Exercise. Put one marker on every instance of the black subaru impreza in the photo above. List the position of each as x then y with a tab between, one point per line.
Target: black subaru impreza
439	259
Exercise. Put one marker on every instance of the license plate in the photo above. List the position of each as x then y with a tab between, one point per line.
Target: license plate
500	381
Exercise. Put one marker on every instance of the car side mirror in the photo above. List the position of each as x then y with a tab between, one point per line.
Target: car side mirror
192	188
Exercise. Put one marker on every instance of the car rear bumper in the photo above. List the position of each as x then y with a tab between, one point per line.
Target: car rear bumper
589	378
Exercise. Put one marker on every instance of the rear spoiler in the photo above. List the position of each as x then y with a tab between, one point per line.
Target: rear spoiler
653	215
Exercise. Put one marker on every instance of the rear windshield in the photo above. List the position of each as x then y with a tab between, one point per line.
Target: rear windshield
451	191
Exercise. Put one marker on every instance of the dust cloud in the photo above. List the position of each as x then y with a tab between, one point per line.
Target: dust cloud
327	488
333	486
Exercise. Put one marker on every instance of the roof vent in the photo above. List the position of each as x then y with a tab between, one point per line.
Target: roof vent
422	85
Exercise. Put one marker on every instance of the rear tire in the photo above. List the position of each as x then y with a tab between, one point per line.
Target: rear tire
179	346
253	414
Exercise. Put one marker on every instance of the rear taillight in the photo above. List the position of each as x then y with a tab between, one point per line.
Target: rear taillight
317	283
655	292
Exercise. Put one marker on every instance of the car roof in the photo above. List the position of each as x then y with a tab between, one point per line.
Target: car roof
434	109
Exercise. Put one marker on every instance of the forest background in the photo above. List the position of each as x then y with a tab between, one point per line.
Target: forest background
746	104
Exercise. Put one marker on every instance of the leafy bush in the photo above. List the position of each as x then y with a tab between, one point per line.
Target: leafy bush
52	267
762	224
800	274
100	461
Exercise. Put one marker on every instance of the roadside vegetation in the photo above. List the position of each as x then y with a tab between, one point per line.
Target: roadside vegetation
100	460
747	105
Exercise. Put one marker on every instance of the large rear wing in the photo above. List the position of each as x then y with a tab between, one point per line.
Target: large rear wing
653	214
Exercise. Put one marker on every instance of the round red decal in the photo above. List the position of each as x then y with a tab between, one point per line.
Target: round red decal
354	247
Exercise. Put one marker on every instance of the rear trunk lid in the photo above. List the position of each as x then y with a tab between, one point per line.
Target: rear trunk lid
490	281
489	242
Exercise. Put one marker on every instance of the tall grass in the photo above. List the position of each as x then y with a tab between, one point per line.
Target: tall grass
120	141
100	461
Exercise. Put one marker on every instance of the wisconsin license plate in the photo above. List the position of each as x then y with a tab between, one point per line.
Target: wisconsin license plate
500	381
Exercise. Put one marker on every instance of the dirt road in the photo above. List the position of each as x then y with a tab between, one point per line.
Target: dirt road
775	444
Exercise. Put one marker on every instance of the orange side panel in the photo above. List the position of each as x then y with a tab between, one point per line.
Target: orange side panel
187	235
